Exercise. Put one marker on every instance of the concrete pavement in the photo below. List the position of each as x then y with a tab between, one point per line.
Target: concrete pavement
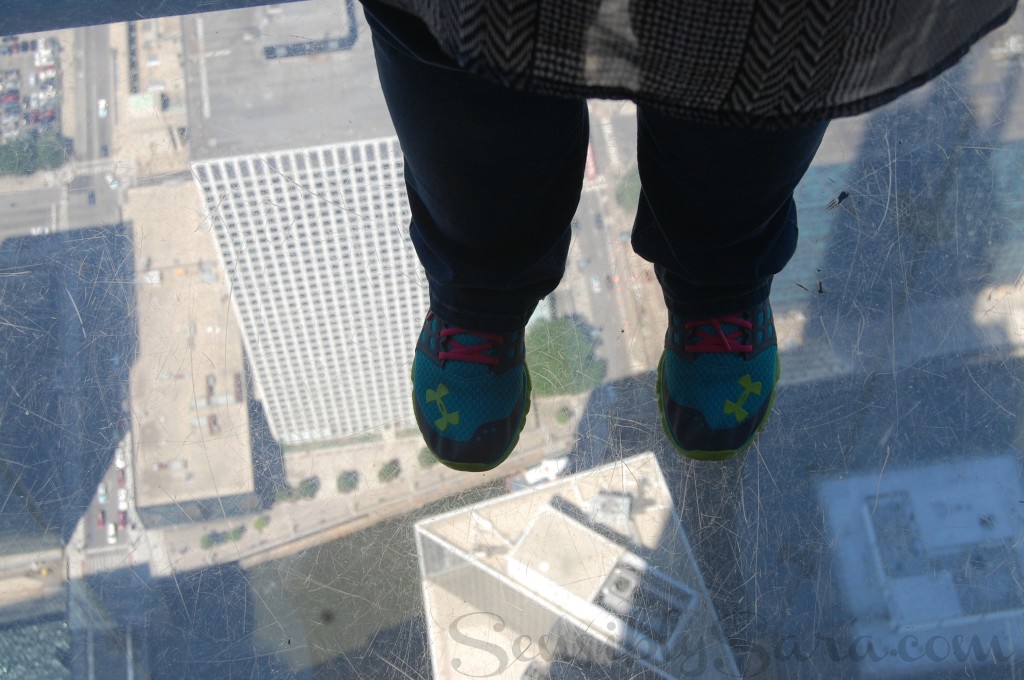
296	525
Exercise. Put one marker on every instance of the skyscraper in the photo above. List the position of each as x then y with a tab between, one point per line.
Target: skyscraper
589	573
308	210
324	280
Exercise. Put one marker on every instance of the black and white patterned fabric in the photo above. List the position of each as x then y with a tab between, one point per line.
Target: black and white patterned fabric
759	63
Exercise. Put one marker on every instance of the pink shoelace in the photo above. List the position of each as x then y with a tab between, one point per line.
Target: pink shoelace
719	341
456	351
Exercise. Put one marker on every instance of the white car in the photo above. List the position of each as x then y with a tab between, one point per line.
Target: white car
101	107
545	471
122	499
111	533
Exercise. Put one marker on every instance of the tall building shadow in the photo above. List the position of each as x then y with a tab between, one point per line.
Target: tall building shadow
68	338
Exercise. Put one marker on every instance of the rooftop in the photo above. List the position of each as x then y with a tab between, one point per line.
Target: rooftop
189	415
933	548
598	555
253	69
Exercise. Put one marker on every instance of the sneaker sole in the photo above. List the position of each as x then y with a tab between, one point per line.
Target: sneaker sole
714	455
484	467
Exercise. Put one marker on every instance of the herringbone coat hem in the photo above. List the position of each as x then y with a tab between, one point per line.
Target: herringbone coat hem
756	63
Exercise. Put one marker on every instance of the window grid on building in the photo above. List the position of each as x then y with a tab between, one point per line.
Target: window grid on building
326	285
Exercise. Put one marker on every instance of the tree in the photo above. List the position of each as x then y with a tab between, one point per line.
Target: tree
427	458
308	487
627	193
283	493
51	151
28	153
17	157
560	354
390	471
261	523
348	481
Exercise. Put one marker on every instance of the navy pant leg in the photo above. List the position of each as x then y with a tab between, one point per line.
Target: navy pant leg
493	176
716	214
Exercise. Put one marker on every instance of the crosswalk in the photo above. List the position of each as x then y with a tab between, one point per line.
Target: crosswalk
108	559
94	167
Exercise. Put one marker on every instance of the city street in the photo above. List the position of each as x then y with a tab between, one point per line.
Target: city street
29	212
93	67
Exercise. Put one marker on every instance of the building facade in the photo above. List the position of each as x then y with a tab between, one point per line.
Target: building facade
326	284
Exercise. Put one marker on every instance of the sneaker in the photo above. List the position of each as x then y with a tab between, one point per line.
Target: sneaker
471	393
716	381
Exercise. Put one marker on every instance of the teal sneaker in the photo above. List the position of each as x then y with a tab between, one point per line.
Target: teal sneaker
470	393
716	381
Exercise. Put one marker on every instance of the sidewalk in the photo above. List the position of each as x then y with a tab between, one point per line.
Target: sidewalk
296	525
144	133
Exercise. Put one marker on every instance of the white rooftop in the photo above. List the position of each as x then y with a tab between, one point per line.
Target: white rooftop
592	568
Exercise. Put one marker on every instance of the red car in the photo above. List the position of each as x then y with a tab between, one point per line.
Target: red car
122	519
120	478
101	518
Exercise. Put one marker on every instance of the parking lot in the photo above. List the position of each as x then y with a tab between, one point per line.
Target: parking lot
29	87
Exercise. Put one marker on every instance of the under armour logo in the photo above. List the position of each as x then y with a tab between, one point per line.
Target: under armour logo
437	397
736	408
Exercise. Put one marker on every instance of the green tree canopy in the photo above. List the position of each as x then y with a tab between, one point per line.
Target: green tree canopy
627	193
308	487
348	481
390	470
560	354
28	153
427	457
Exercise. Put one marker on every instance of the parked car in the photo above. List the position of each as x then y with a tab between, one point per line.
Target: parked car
122	499
101	107
122	519
101	492
101	518
545	471
111	533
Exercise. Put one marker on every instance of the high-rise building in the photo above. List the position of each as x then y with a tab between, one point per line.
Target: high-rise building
324	280
589	575
930	563
308	210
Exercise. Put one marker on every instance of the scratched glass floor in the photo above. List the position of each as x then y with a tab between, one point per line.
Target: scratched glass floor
202	237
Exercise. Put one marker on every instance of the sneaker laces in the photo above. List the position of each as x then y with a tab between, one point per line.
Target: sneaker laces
715	339
456	350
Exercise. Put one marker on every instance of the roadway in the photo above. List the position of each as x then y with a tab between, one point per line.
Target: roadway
93	72
598	291
596	294
29	212
92	198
